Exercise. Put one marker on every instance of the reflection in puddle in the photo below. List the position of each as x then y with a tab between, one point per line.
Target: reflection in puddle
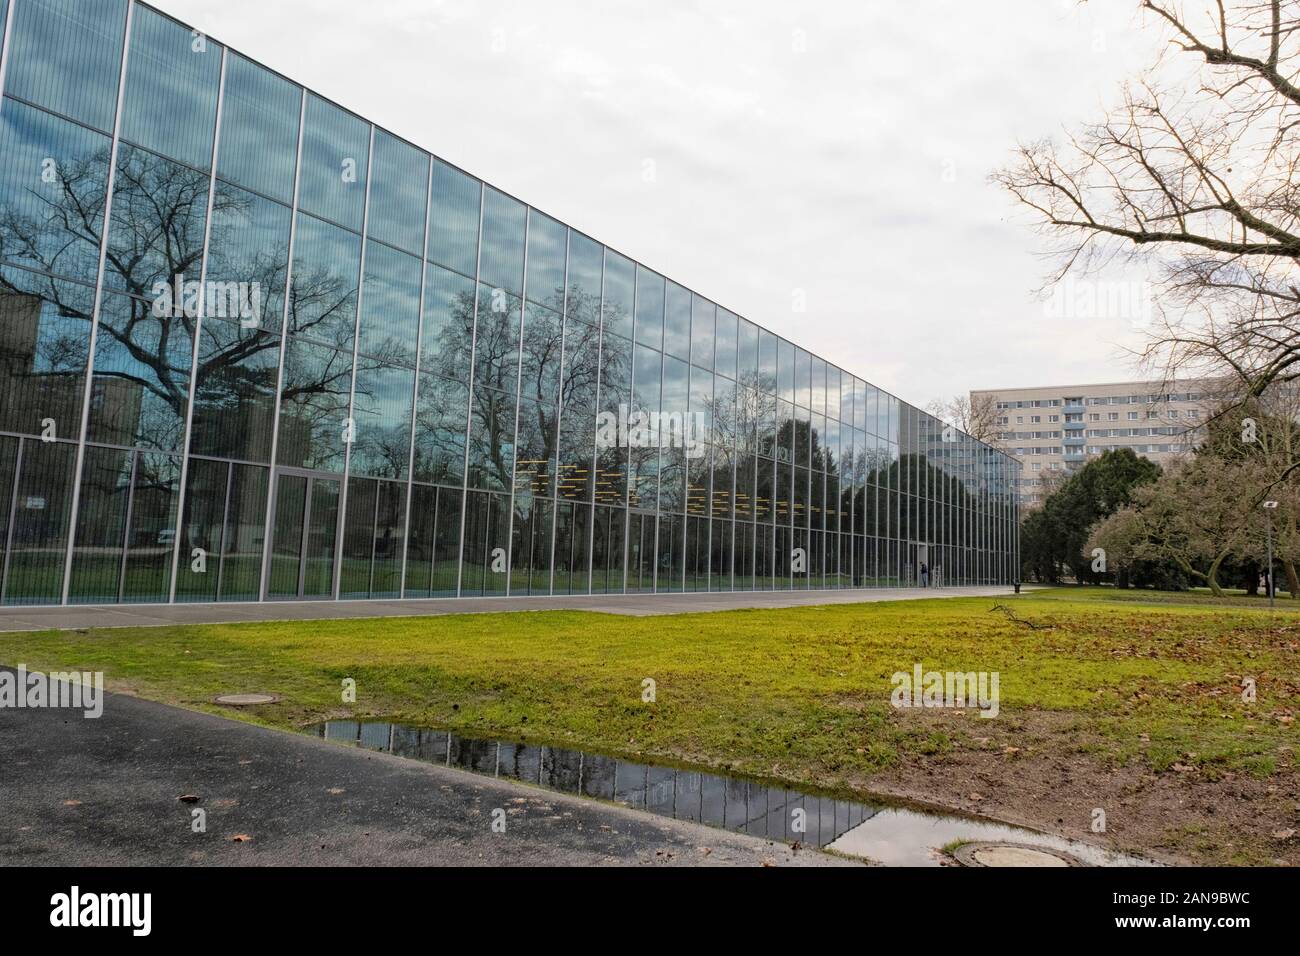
896	837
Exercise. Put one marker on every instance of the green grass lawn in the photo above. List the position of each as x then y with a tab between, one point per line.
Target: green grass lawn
801	694
1109	688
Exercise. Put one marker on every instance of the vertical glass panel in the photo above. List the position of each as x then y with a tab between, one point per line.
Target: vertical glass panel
747	353
702	332
530	547
53	180
8	471
535	450
203	524
358	539
382	420
399	193
448	323
44	345
726	344
172	78
485	565
543	348
287	551
620	290
390	317
677	322
454	219
649	308
818	400
321	539
803	378
491	440
65	55
608	550
433	549
496	341
155	242
151	534
504	222
314	406
390	529
785	370
586	268
335	160
234	398
101	527
241	559
260	113
440	426
572	548
140	390
547	246
248	259
767	362
326	267
42	507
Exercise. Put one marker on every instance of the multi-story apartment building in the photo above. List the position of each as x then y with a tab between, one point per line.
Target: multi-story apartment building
1054	430
255	347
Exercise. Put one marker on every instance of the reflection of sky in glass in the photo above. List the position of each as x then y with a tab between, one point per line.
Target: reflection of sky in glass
399	193
327	264
390	310
502	265
259	129
171	90
454	219
66	54
335	160
547	241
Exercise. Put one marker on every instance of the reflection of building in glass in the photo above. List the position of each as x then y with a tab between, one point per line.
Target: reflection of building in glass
415	409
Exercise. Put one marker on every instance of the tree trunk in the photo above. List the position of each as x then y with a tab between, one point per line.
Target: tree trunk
1292	581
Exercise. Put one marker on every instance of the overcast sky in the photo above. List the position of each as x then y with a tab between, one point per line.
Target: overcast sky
753	148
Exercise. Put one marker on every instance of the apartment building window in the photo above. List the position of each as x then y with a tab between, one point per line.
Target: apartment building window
1113	417
1132	416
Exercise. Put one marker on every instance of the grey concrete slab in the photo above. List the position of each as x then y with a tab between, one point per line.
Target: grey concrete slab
76	792
633	605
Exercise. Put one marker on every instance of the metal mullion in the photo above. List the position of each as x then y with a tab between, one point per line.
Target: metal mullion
198	328
225	525
272	483
519	389
126	527
13	517
351	423
415	394
469	417
4	50
99	297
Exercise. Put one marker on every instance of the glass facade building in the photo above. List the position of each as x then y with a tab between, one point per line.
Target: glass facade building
253	347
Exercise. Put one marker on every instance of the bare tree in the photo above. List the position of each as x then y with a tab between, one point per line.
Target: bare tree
1197	181
976	415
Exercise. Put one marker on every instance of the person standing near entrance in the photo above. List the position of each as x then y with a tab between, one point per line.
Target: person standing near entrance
925	575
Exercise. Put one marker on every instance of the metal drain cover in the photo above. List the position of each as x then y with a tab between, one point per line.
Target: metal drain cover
246	700
1012	855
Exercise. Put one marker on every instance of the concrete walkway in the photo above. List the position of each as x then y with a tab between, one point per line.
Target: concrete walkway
78	792
635	605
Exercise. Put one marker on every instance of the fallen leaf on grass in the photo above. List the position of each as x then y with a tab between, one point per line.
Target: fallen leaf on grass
1283	834
241	838
189	798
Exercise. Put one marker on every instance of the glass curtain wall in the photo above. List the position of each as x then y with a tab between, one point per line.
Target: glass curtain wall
253	347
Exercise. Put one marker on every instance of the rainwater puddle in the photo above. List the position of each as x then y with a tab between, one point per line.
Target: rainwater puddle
891	835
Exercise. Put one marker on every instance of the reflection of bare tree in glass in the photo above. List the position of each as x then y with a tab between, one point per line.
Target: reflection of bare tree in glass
159	220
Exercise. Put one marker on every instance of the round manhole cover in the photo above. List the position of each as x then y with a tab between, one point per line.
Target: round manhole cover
246	700
1011	854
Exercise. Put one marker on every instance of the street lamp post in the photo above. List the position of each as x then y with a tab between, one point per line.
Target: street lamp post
1269	508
